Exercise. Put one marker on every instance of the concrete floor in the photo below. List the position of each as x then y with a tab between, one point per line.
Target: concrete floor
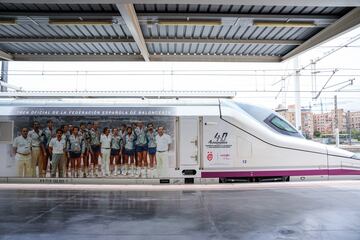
244	211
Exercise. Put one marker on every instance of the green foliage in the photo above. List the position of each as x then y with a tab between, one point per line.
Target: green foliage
317	134
355	134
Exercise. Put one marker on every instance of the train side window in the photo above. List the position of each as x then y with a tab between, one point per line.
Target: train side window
6	132
281	126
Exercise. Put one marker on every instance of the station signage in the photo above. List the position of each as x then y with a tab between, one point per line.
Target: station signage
89	111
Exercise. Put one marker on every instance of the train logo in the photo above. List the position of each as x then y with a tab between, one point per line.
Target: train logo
210	156
219	138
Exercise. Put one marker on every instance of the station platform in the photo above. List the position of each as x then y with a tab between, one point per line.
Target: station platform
290	210
122	180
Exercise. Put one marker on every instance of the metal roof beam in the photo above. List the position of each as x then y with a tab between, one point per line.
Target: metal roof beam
65	40
344	24
151	40
92	15
78	57
214	58
128	14
327	3
154	15
223	41
5	56
174	58
298	17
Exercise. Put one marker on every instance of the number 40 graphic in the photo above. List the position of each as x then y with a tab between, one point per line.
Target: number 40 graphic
218	137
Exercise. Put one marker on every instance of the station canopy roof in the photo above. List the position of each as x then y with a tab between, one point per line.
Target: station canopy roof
169	30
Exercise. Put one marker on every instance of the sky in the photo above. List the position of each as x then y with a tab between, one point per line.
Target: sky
257	83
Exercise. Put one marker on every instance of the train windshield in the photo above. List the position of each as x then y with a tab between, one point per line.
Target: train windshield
356	156
271	119
280	125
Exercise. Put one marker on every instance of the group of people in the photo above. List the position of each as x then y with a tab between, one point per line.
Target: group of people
74	151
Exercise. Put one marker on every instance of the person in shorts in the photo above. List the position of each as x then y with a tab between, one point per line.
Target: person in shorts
129	146
116	143
85	133
95	147
66	134
141	149
122	150
75	149
151	139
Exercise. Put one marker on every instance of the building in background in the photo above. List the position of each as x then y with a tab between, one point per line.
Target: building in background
307	123
354	120
325	122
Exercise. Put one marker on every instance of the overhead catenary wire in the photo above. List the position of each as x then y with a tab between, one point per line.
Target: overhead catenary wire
332	51
324	87
177	74
185	70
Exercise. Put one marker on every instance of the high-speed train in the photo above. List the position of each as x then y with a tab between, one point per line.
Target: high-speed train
212	139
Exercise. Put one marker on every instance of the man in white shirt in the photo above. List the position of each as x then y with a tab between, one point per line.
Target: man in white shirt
57	147
22	150
162	152
105	143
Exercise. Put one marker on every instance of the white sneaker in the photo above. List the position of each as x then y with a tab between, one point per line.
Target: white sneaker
155	173
143	172
146	173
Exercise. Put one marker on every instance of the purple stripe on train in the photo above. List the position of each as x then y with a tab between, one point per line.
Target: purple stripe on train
312	172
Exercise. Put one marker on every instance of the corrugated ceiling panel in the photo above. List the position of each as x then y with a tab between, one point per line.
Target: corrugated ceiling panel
70	48
32	30
58	7
196	8
217	48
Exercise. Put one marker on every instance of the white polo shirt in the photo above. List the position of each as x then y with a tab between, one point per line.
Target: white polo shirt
163	142
105	141
22	145
57	146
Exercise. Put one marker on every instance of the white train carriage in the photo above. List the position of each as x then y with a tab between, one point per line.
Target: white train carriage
217	139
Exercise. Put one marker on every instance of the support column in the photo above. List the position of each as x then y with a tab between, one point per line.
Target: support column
336	121
4	74
297	94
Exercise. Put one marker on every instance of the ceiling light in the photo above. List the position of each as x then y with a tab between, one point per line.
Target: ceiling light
80	22
284	24
8	21
175	22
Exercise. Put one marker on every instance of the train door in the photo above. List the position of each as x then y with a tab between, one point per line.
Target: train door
189	157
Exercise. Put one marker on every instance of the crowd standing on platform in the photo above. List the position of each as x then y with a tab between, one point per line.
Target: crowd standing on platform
74	151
